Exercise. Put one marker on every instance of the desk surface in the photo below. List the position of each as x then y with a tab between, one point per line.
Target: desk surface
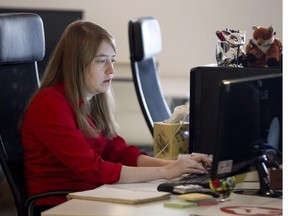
242	204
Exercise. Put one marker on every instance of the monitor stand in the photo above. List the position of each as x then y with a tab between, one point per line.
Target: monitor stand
265	189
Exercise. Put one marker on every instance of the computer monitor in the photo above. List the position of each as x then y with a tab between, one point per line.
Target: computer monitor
204	93
243	106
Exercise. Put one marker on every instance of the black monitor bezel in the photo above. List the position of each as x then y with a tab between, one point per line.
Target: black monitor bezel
204	83
245	165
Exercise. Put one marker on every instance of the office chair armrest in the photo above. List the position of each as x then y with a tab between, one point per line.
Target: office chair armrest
29	203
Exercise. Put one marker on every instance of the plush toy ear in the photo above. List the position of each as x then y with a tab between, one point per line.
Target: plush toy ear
271	30
254	28
220	35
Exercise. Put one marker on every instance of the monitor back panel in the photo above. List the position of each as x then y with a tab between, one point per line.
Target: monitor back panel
204	94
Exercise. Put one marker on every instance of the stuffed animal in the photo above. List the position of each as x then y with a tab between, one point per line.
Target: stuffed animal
263	49
229	49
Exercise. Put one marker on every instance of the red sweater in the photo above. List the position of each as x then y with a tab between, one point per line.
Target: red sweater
58	156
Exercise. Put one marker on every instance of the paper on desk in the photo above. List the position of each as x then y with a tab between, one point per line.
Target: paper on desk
108	193
243	205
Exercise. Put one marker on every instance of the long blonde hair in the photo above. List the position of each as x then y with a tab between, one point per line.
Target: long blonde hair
76	48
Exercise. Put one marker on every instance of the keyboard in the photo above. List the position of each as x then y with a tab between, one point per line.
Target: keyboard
189	179
198	179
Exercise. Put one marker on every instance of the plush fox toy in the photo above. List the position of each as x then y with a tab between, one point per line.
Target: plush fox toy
263	49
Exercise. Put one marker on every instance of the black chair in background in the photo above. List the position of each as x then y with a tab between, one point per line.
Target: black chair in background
22	44
145	43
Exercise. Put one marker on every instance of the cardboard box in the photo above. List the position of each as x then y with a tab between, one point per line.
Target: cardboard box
170	140
275	176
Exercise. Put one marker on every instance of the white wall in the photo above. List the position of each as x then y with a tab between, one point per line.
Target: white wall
188	26
188	33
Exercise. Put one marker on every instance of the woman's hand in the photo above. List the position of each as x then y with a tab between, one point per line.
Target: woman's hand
205	159
149	168
187	164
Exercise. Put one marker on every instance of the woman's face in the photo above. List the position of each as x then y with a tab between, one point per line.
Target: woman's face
99	72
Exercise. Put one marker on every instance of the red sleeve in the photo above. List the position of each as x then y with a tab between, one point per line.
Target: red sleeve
51	120
118	151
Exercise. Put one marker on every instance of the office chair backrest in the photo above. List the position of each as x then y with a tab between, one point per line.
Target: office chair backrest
22	44
145	42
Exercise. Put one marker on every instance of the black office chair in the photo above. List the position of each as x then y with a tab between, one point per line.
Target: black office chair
21	46
145	43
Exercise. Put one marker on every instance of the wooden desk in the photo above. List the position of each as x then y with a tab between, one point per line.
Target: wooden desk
244	203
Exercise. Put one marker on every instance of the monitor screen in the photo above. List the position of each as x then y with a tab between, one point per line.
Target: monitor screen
204	94
249	116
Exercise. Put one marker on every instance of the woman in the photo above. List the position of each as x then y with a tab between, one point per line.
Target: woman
69	132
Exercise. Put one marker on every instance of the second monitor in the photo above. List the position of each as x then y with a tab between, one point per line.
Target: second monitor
204	94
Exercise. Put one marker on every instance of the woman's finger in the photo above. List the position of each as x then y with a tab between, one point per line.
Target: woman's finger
204	158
